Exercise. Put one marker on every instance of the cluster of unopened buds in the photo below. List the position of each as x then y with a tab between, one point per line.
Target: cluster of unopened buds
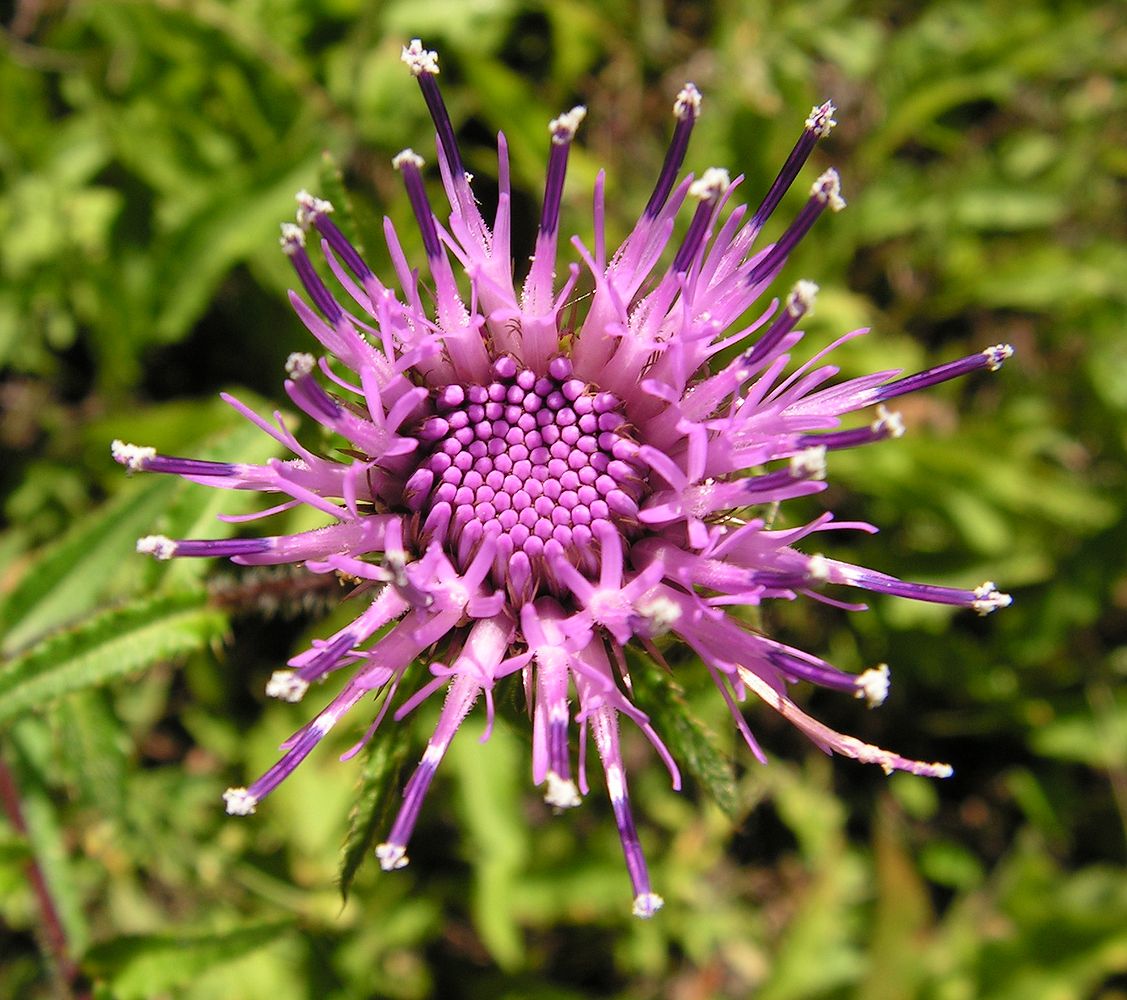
530	490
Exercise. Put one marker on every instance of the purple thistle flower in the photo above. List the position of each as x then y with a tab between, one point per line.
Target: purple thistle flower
539	495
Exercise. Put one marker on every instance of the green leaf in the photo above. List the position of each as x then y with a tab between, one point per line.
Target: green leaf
384	757
147	965
691	744
108	646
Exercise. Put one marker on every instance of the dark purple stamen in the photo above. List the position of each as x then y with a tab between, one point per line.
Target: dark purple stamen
817	125
408	163
687	109
991	358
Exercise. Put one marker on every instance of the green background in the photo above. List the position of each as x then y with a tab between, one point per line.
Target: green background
148	151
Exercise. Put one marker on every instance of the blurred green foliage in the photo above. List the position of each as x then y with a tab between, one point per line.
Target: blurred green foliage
148	151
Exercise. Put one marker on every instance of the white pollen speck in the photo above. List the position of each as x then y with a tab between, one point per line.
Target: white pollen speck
818	567
872	685
660	614
407	156
989	598
997	354
285	685
392	856
418	59
688	101
801	298
563	129
132	456
299	364
160	546
292	238
710	185
647	904
616	784
888	421
562	792
309	207
810	463
239	802
821	119
827	189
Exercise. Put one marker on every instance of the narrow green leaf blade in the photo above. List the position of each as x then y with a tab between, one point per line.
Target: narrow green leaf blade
108	646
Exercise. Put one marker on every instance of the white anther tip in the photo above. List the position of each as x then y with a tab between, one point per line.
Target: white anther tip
239	802
561	793
647	904
821	119
810	463
688	101
888	422
392	856
988	598
801	298
407	156
300	364
872	685
710	185
292	238
997	354
310	207
159	546
420	60
132	456
563	129
285	685
827	189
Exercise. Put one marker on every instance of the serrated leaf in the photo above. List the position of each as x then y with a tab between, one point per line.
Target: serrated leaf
384	757
108	646
691	744
147	965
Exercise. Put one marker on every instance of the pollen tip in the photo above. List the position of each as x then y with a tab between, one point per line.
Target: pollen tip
159	546
827	189
310	208
561	793
710	185
239	802
801	298
285	685
407	156
563	129
888	422
988	598
818	568
392	856
997	354
647	904
821	119
292	238
688	101
420	60
300	364
810	463
132	456
872	685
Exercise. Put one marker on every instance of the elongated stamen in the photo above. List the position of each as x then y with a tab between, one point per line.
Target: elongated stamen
306	391
888	424
315	212
293	246
708	189
984	599
423	65
410	164
825	191
818	125
563	131
798	304
991	359
142	459
687	110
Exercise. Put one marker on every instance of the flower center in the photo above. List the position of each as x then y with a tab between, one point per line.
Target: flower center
535	462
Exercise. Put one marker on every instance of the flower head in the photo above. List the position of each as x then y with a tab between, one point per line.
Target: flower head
536	492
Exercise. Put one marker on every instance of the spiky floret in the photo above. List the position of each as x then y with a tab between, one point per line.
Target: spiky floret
535	497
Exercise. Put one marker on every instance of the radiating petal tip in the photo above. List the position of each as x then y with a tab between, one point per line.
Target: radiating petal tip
239	802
